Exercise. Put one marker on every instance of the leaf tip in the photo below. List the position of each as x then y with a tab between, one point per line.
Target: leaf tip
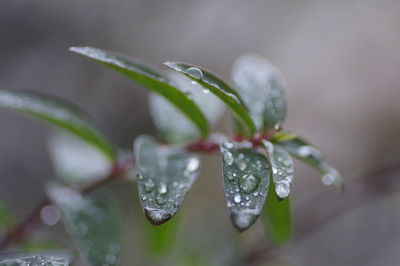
173	65
243	220
157	216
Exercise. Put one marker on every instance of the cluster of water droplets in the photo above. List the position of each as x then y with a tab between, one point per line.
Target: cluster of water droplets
246	182
164	181
36	261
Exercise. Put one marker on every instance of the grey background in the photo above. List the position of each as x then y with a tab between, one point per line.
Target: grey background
341	60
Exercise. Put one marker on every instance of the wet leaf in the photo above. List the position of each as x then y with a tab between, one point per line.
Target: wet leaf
165	174
246	181
309	154
35	261
151	79
277	217
261	87
173	125
58	113
281	168
76	162
220	88
94	222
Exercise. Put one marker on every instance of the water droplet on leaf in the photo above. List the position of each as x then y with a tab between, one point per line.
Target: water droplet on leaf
248	183
194	72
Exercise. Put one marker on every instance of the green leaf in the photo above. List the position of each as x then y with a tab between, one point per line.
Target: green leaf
37	260
261	87
277	217
219	87
246	181
7	219
281	168
58	113
308	153
75	161
165	174
172	124
94	222
149	78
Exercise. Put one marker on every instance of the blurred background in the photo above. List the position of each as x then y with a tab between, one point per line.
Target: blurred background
341	60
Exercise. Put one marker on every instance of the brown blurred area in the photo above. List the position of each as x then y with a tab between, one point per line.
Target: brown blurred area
341	60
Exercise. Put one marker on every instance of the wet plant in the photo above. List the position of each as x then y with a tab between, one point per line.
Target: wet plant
256	158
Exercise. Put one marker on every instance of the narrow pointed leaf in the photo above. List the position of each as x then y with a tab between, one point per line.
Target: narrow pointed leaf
37	260
246	181
309	154
219	87
172	124
261	87
281	168
277	217
165	175
151	79
58	113
94	222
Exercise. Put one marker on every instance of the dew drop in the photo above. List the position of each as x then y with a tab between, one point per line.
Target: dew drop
237	198
242	165
162	189
148	186
274	170
228	157
282	189
139	176
230	176
160	200
193	164
206	91
248	183
194	72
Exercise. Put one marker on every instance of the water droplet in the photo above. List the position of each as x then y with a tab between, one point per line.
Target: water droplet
244	219
139	176
255	194
229	176
144	198
228	157
248	183
194	72
157	216
193	82
274	170
160	200
237	198
193	164
282	189
148	185
206	91
242	165
162	189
